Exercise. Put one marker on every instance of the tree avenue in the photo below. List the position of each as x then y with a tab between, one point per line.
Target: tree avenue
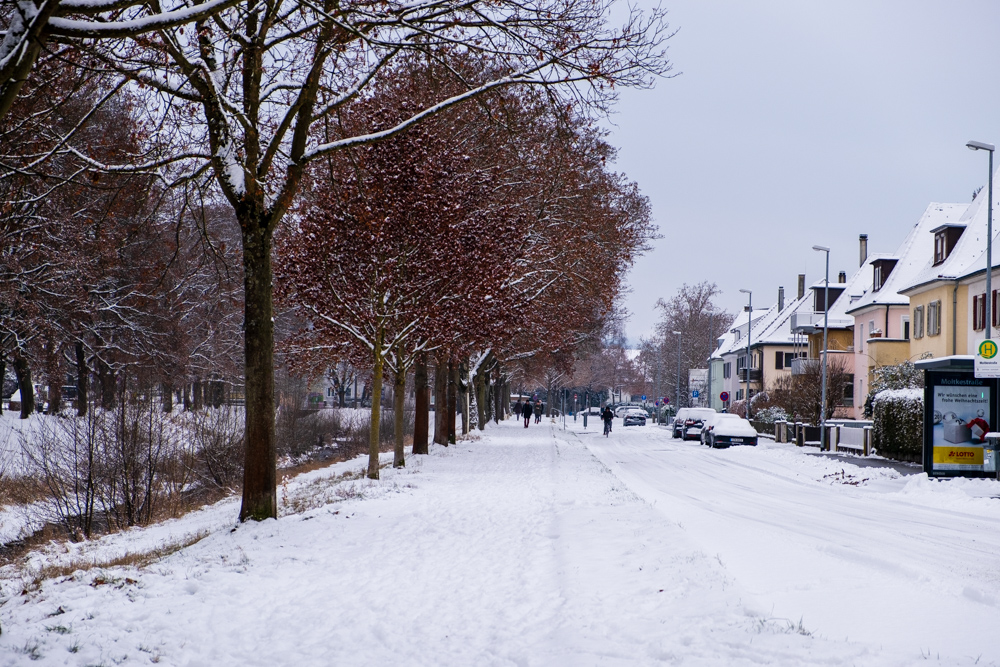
484	238
242	97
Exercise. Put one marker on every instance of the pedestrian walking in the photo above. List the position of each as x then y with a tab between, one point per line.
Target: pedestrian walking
526	413
517	409
538	412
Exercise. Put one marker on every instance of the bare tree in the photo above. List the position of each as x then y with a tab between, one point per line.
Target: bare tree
693	312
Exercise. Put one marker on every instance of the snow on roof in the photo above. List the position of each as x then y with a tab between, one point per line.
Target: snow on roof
968	254
728	340
913	255
779	330
854	290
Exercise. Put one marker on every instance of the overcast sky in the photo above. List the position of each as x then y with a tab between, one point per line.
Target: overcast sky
795	123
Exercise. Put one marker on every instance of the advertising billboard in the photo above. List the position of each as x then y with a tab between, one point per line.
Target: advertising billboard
961	417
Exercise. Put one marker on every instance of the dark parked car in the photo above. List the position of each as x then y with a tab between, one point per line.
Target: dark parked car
694	419
634	417
733	430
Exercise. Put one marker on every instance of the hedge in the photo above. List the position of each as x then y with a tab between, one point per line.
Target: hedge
898	428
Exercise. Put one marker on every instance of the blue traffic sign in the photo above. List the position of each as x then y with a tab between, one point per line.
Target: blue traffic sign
644	397
694	394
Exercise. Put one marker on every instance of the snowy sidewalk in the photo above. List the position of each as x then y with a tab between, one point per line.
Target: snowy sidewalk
520	548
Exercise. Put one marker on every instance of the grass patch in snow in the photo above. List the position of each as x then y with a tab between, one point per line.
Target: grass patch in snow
35	577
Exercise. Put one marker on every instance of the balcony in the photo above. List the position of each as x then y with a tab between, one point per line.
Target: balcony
802	366
805	322
755	375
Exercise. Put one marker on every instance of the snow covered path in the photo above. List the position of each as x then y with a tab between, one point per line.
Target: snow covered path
524	548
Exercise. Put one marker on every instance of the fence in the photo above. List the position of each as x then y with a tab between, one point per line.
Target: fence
842	435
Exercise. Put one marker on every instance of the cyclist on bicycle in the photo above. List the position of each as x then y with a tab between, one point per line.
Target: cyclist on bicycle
607	415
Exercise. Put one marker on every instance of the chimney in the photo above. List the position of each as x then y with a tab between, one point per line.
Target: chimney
842	277
781	299
863	242
802	285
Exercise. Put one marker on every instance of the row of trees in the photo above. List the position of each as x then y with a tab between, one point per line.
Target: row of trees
232	107
490	233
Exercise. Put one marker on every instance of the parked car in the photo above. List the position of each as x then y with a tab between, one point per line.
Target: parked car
634	417
709	426
593	411
678	427
736	431
694	419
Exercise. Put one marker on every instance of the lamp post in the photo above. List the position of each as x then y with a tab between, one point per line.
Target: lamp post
678	394
749	294
826	322
980	146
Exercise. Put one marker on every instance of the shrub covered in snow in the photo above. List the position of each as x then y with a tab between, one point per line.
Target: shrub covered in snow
899	421
896	376
770	415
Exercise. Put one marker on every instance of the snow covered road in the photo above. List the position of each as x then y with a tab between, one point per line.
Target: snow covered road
860	553
547	547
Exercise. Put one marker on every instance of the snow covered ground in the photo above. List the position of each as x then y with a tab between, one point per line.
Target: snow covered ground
545	547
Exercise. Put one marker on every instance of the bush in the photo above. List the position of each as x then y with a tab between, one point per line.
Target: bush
770	415
897	376
898	423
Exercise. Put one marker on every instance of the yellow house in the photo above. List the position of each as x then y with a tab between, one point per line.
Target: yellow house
941	302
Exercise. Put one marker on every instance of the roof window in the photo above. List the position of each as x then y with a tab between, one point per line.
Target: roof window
945	238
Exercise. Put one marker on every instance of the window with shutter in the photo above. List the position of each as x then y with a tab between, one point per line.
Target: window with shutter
934	318
918	322
779	360
993	309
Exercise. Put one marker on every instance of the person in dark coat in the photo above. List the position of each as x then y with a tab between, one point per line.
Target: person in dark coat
538	412
526	413
517	409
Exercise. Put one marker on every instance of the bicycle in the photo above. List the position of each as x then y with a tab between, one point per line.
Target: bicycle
607	427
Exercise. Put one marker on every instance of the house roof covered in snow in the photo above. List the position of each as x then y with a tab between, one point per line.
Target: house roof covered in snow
912	257
730	340
968	255
778	330
854	290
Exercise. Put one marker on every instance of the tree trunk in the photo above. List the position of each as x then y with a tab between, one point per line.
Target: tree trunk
82	375
440	401
3	378
167	393
54	377
463	394
260	498
187	396
479	385
497	397
376	408
106	379
398	398
341	392
422	407
452	400
197	391
23	373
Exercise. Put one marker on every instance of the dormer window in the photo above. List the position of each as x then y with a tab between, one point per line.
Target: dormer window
945	238
883	267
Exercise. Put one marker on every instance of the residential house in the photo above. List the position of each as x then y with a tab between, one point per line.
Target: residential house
947	297
832	313
882	316
726	360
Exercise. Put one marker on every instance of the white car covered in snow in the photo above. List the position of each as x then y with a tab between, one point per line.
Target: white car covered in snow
728	429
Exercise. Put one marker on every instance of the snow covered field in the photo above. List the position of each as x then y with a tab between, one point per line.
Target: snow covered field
546	547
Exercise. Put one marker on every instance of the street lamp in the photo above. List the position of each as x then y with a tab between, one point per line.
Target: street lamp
826	322
678	394
980	146
749	294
